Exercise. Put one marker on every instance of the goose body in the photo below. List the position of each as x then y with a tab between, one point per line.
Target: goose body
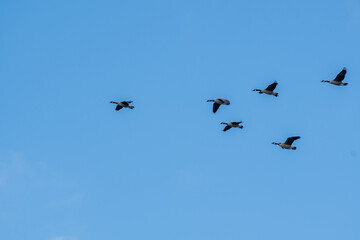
287	144
338	79
269	90
218	102
232	125
123	104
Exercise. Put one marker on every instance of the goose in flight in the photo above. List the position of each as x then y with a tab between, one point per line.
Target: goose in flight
123	104
232	125
338	79
218	102
287	143
269	90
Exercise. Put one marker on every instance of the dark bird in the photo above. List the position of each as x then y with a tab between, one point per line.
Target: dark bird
287	143
232	125
123	104
338	79
218	102
269	90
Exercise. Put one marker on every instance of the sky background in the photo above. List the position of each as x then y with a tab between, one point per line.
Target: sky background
72	168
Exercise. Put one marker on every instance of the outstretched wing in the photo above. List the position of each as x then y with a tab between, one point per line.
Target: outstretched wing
341	75
290	140
125	103
226	128
272	86
118	107
215	107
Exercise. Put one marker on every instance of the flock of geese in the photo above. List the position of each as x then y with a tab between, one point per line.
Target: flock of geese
338	81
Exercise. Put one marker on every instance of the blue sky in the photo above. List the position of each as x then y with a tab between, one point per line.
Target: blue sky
72	168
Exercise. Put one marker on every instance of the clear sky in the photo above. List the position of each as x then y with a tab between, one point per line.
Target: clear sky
72	168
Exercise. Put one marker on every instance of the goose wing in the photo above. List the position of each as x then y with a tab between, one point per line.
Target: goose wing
215	107
290	140
226	128
272	86
224	101
340	76
118	107
125	103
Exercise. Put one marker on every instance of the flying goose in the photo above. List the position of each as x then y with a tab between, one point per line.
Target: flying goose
123	104
269	90
232	125
218	102
287	143
338	79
